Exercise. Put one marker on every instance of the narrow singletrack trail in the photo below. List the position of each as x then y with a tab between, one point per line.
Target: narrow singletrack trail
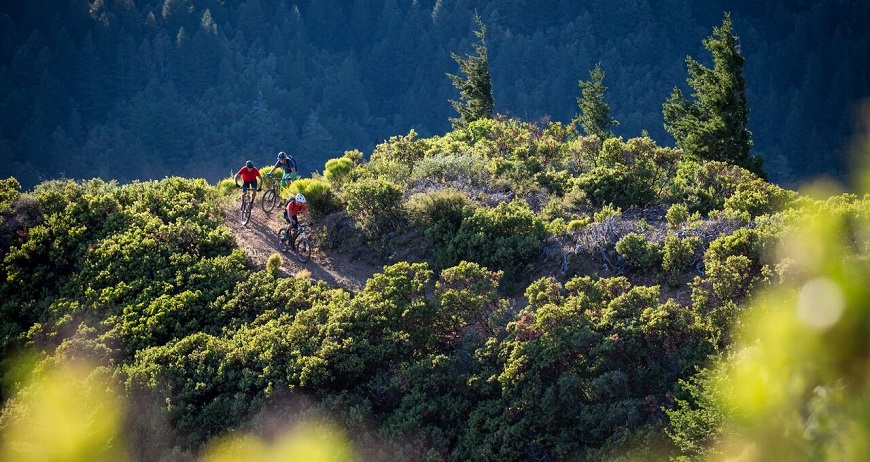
259	238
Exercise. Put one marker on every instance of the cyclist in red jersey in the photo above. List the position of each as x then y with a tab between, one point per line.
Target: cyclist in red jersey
294	206
249	175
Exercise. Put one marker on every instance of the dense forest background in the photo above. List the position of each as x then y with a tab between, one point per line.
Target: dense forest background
125	89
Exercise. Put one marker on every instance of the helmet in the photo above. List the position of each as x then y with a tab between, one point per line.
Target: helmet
282	155
249	164
300	198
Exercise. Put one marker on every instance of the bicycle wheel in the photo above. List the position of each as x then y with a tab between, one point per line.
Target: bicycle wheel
270	199
303	249
283	240
245	213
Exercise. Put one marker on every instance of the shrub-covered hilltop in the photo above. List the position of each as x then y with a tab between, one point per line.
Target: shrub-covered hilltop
564	301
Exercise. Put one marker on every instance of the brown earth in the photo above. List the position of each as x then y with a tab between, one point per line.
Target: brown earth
259	238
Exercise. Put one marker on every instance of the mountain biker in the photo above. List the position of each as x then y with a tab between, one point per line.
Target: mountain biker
249	175
287	164
291	210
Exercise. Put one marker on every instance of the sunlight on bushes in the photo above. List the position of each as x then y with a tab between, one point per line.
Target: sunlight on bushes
66	413
273	264
70	413
310	442
796	387
226	187
303	274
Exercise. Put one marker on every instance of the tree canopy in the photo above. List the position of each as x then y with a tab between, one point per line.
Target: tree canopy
713	125
133	90
594	116
475	84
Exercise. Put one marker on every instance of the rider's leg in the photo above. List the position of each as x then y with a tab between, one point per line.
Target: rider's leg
294	228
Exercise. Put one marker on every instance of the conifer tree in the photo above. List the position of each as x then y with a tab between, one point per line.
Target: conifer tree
713	125
594	115
475	90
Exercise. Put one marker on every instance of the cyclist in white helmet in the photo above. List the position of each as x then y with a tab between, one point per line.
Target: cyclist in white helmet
295	205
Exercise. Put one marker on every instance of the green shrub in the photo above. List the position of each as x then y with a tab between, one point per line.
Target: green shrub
677	253
273	264
355	156
705	185
467	296
507	237
757	197
386	169
744	241
582	153
577	224
276	172
449	167
10	190
733	262
611	152
403	149
576	197
555	181
619	185
553	209
318	194
556	226
731	278
440	215
607	211
676	215
638	252
696	421
337	170
375	205
481	128
226	187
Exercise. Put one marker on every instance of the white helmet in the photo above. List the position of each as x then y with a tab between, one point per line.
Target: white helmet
300	198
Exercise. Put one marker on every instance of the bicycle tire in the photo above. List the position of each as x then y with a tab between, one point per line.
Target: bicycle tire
283	240
245	215
270	199
303	249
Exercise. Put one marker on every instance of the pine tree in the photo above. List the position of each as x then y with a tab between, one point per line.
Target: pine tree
714	125
475	90
594	115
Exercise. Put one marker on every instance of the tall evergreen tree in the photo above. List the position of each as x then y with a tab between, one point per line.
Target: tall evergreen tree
594	115
475	90
714	125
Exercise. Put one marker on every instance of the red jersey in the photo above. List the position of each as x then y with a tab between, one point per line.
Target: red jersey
294	207
249	175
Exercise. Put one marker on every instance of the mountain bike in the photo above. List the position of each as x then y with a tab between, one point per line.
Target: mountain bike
271	197
298	242
247	205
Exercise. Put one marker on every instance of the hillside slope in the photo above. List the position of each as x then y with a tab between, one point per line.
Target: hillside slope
505	292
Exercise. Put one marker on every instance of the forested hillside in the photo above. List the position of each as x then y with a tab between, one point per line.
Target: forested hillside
574	299
147	89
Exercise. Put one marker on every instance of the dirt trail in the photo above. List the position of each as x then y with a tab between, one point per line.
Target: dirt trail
260	241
